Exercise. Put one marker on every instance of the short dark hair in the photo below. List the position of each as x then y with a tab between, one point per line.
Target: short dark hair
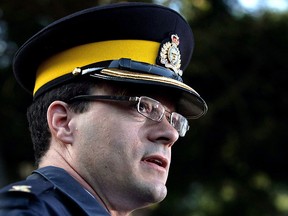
36	113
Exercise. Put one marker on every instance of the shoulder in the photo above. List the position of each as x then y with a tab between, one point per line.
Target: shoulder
36	196
29	186
22	198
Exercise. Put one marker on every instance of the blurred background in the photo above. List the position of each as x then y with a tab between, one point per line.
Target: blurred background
234	160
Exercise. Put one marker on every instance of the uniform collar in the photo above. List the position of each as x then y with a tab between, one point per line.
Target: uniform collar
72	189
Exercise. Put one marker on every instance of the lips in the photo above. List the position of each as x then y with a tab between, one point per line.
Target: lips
157	160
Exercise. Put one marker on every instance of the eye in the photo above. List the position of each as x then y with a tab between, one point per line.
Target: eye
150	108
145	107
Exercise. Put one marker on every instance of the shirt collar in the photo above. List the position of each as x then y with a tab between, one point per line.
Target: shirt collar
72	189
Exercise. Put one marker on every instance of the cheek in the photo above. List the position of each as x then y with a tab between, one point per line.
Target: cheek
125	149
114	139
117	137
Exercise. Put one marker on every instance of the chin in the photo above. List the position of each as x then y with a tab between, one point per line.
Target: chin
157	198
157	193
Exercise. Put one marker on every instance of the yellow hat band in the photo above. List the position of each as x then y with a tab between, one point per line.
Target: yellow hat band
65	62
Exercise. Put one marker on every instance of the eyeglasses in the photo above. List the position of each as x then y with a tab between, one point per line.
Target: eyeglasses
146	106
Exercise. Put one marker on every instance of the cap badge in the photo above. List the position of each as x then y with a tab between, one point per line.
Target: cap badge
170	55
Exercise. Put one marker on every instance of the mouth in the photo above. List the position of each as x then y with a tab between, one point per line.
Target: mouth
157	160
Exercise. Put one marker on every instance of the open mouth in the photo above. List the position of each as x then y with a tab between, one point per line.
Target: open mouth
158	160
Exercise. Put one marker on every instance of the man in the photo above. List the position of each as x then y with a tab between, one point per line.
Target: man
108	105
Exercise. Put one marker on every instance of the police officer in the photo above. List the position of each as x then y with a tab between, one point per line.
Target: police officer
109	102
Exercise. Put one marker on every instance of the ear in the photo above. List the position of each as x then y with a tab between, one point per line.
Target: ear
59	118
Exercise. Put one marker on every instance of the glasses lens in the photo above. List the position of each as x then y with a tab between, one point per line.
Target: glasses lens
154	110
150	108
180	123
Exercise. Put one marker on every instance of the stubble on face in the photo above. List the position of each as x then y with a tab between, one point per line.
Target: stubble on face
112	147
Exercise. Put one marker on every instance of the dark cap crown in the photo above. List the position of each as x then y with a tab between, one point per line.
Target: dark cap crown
150	39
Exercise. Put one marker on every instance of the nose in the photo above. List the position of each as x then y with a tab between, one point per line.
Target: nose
163	133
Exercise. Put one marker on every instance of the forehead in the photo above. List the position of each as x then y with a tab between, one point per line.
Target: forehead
169	97
166	96
133	89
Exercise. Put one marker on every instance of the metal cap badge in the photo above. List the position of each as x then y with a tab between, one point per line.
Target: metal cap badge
170	55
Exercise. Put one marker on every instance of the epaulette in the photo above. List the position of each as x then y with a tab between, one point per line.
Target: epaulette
20	194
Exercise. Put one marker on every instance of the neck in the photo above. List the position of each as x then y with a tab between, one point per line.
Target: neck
54	158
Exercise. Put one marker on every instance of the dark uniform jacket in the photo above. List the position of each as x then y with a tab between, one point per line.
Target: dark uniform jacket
48	191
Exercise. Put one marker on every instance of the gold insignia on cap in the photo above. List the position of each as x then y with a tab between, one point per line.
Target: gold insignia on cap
22	188
170	55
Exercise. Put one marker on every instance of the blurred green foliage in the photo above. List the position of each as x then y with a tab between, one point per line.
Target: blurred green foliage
233	161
